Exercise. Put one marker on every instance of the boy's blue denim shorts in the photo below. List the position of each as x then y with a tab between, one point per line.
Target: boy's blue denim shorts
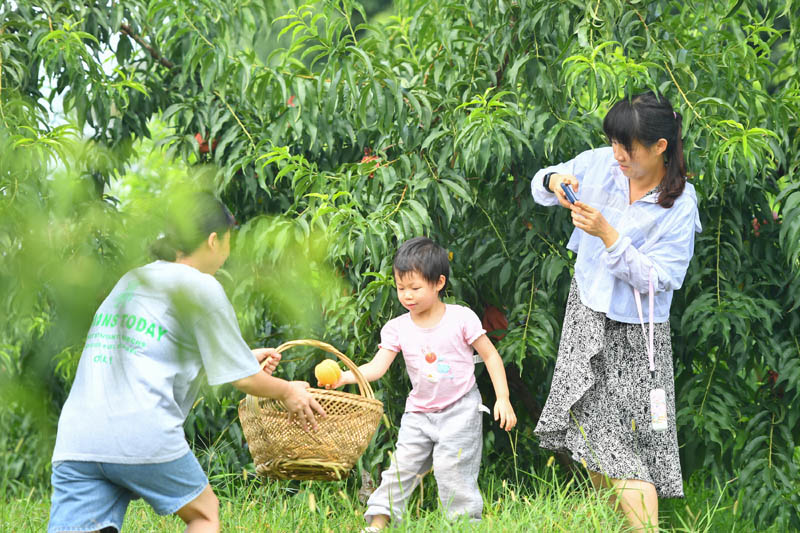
89	496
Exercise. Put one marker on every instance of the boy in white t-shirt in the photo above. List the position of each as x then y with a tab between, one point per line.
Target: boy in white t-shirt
441	426
164	329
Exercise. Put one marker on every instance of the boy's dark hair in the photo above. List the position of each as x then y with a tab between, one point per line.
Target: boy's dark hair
423	256
648	117
191	219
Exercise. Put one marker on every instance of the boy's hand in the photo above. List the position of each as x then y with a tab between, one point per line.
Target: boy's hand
301	405
505	413
272	356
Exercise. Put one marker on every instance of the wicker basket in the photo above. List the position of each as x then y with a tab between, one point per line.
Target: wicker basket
282	449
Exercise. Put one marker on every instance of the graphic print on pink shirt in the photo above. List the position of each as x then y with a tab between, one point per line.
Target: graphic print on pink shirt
434	367
439	360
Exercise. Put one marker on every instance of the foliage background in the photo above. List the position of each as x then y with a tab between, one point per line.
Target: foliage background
336	130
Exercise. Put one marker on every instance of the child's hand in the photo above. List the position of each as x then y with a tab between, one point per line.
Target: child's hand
271	355
301	405
346	378
505	413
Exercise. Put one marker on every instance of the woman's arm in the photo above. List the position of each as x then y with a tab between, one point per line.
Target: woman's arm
497	372
669	258
593	222
571	172
668	255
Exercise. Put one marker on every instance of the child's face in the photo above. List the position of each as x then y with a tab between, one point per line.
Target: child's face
416	293
219	252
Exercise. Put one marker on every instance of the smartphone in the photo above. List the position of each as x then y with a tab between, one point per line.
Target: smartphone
568	191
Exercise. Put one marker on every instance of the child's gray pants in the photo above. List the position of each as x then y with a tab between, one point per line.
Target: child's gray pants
451	441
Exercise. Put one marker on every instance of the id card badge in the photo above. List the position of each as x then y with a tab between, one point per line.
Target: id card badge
658	410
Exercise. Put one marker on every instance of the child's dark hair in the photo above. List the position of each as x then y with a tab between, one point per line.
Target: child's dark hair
191	219
423	256
648	117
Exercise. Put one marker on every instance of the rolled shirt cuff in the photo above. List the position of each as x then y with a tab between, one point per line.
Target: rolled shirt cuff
614	247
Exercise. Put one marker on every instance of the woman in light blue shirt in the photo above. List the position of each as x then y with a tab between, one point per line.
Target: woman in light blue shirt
635	219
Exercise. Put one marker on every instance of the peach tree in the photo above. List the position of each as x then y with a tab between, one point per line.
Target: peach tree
337	130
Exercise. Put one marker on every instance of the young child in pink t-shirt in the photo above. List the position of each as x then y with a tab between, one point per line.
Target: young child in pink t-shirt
441	426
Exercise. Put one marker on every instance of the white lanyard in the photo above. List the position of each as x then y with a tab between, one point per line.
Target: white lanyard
638	298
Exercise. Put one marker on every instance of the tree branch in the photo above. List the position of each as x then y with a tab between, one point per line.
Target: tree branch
521	392
224	101
1	71
127	30
2	111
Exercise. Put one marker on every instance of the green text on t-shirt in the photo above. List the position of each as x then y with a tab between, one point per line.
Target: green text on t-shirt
110	320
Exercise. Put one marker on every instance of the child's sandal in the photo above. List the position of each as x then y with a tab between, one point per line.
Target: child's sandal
370	529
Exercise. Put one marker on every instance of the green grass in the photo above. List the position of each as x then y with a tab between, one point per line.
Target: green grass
323	507
544	505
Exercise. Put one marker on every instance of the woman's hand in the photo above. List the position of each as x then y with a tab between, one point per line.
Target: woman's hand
593	222
271	355
555	185
505	413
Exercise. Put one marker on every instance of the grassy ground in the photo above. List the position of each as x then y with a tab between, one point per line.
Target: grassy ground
545	505
319	508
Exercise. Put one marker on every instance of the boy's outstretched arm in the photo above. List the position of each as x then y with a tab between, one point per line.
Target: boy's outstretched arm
497	372
373	370
294	394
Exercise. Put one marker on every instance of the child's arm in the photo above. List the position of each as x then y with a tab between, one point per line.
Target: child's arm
272	356
372	371
497	372
293	394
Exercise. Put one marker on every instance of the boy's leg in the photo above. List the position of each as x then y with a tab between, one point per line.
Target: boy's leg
410	463
84	500
174	487
457	456
201	515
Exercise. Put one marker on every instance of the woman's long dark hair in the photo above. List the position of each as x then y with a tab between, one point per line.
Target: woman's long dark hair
192	219
648	117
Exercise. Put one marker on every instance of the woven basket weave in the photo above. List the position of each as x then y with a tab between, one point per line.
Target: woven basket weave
282	449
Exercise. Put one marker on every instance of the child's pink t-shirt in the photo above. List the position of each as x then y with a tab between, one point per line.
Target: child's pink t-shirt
439	360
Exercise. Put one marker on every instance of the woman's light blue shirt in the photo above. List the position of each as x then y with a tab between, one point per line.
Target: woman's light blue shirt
650	235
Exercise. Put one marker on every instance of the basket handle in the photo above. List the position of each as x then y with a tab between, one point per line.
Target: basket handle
363	385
